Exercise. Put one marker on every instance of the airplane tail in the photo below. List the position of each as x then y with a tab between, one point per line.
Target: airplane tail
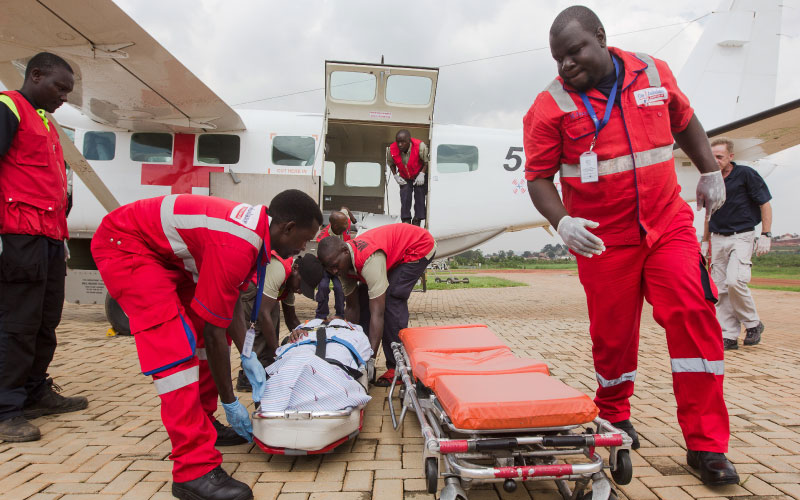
732	71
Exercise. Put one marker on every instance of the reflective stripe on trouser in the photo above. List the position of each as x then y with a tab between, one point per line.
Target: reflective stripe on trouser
669	276
623	163
189	429
731	270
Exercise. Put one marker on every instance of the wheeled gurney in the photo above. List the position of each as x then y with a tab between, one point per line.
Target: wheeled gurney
490	416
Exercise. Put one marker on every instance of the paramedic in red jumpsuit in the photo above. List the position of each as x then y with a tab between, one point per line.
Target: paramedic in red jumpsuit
176	264
624	219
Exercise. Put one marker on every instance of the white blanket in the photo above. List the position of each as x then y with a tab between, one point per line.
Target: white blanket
301	380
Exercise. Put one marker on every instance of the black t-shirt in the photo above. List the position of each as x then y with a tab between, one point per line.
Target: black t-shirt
606	83
745	193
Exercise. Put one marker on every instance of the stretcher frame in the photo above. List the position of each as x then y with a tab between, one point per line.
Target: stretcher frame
508	455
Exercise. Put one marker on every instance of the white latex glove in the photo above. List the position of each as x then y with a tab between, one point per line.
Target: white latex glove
420	180
575	235
704	248
710	192
762	245
400	180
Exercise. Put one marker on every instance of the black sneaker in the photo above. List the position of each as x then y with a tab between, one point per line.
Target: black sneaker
226	436
18	430
215	485
753	335
242	384
730	344
627	427
53	403
715	468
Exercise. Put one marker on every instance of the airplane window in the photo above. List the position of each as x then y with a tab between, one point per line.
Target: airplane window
363	174
218	149
454	158
70	133
151	147
353	86
99	145
408	89
328	173
293	151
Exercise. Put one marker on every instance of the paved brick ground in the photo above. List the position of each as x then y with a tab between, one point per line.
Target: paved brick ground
117	449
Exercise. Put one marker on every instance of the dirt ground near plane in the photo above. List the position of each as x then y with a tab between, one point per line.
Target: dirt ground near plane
117	448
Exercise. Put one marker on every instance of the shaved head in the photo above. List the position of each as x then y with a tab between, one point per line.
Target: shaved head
328	249
339	222
583	15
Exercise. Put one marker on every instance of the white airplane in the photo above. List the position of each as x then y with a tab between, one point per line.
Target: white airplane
147	127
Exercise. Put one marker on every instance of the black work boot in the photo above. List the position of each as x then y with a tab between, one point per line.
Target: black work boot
416	221
53	403
226	436
753	335
242	384
730	344
18	429
627	427
215	485
715	468
405	221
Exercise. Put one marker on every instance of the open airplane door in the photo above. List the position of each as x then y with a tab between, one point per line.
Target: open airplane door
365	106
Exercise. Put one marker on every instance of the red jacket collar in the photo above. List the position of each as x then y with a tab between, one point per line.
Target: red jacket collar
633	66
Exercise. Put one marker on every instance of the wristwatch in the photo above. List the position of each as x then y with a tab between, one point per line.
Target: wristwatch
767	234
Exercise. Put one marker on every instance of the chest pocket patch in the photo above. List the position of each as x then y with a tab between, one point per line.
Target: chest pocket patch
579	128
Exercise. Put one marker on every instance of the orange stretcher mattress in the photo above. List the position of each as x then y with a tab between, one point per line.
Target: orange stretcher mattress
428	366
512	401
462	338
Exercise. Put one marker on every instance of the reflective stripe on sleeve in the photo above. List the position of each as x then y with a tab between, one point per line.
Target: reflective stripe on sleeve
201	353
697	365
651	71
177	380
626	377
561	97
623	163
171	222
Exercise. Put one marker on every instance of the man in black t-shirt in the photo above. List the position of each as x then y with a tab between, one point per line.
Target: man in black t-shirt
732	237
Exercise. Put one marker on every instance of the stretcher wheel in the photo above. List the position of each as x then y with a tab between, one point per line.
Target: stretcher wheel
117	317
431	474
510	485
624	471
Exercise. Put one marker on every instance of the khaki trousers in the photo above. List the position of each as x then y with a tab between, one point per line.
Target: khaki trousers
730	270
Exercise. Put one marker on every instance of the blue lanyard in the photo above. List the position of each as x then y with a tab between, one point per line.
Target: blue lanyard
261	274
598	125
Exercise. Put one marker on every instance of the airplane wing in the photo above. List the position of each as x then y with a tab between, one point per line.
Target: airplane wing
123	77
758	135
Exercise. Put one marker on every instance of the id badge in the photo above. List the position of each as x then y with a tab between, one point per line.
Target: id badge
249	338
589	172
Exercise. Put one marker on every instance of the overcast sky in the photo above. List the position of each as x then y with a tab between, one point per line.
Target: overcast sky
250	50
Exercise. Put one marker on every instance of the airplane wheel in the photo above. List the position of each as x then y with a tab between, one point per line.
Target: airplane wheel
431	474
117	317
624	471
438	280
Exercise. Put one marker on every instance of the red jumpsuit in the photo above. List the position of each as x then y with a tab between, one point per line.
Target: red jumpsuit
651	246
175	263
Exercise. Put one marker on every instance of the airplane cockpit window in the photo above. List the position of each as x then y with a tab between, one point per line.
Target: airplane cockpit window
455	158
293	151
99	145
363	174
218	149
151	147
353	86
329	174
408	89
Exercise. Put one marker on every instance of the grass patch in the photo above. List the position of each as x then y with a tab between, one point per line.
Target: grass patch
776	287
474	282
784	273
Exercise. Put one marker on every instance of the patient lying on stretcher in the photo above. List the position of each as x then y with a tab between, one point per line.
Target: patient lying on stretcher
313	375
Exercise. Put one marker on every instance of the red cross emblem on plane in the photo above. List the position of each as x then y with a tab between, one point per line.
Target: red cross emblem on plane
183	174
